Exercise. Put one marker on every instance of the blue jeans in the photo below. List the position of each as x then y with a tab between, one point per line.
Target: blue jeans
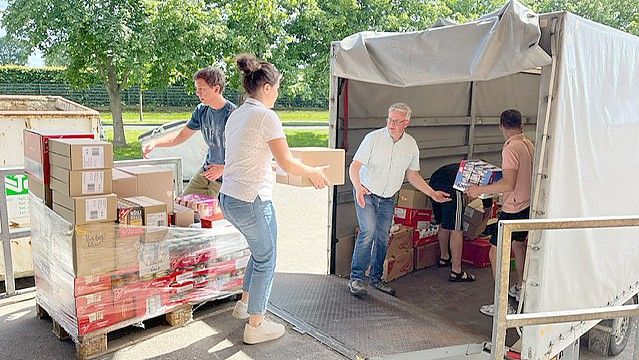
374	221
256	221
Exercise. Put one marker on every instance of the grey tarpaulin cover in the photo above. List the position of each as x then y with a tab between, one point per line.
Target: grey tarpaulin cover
498	44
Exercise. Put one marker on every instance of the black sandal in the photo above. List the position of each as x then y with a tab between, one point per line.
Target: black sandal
462	276
443	262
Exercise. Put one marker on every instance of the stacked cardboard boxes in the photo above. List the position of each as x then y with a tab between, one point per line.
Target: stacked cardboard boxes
148	277
36	159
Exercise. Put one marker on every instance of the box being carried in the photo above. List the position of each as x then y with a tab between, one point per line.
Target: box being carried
476	172
333	159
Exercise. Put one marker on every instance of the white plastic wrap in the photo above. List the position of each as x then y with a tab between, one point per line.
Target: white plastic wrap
592	166
96	278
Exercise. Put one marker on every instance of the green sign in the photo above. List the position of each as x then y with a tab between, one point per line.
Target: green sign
16	185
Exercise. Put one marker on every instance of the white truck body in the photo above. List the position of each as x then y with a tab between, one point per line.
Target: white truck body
575	82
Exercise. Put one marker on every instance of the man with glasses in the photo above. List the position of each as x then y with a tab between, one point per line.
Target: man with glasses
384	158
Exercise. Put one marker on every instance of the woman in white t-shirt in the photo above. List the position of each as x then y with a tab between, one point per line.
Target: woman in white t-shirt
254	136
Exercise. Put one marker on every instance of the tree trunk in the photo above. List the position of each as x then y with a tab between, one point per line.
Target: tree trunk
115	97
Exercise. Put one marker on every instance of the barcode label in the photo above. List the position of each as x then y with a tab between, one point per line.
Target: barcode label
96	209
92	182
154	306
158	219
92	157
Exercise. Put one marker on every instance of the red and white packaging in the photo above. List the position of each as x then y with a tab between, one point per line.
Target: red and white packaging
90	303
91	322
415	218
91	284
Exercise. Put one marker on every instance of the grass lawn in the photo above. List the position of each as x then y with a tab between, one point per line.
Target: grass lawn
287	116
296	138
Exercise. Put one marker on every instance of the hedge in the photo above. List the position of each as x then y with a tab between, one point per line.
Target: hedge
14	74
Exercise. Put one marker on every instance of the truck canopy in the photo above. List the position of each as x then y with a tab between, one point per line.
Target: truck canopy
574	82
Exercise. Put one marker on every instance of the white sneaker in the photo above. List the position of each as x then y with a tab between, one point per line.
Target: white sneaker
268	330
489	310
240	311
515	292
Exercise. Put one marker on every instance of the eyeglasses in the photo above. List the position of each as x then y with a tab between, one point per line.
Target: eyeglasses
396	122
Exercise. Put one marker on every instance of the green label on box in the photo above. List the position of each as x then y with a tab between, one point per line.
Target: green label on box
16	185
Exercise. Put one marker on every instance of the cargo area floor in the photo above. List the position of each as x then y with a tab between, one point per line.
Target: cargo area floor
428	312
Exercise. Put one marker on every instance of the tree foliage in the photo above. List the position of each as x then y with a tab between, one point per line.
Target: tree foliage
12	52
154	43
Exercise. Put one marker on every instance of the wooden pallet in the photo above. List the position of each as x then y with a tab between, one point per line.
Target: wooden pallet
96	343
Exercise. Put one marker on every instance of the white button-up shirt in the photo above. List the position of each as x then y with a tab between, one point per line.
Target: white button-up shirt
385	161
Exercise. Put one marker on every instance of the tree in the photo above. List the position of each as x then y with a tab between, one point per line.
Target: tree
12	52
119	42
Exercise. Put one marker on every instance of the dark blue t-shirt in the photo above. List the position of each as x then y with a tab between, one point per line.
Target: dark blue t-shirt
211	123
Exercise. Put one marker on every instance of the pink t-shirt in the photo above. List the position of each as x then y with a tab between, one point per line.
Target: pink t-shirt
517	154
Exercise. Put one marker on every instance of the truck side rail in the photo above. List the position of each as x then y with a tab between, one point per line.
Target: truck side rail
502	321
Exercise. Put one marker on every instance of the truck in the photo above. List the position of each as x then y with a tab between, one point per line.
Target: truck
574	81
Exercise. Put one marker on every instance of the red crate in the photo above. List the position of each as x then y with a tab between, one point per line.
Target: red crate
476	252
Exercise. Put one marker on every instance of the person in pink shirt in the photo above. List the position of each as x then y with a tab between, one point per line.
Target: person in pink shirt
517	162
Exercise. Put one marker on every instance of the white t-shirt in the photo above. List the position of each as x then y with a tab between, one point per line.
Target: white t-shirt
248	158
385	161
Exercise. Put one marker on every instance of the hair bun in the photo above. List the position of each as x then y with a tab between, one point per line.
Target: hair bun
248	64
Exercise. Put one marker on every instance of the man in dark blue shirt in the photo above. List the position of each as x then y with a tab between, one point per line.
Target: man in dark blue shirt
210	118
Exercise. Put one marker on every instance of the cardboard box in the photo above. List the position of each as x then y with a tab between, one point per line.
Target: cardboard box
91	284
183	216
415	218
154	260
473	221
90	303
334	159
94	250
154	182
79	210
130	213
95	321
399	241
426	236
40	190
153	211
344	254
127	248
124	184
81	154
476	172
412	198
81	182
426	255
36	150
399	265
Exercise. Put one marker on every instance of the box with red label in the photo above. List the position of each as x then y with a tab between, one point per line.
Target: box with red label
399	240
36	150
189	259
476	252
221	266
415	218
426	255
95	321
426	236
91	284
90	303
399	265
128	303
